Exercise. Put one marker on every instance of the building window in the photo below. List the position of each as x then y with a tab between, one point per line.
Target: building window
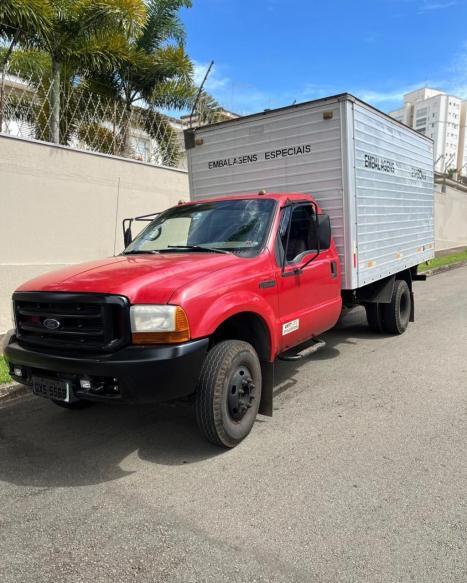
142	149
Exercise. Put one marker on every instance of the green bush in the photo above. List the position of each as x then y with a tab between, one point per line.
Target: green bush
4	376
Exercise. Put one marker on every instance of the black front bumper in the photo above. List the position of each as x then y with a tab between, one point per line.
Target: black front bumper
141	374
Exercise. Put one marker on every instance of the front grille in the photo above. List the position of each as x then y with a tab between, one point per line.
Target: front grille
69	321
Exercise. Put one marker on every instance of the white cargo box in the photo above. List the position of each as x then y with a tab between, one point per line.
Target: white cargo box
370	173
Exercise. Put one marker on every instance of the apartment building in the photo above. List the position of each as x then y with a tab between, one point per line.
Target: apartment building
441	117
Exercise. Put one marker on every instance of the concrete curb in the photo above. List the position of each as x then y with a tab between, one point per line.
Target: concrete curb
12	391
444	268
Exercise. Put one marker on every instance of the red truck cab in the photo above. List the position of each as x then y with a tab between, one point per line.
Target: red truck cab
200	304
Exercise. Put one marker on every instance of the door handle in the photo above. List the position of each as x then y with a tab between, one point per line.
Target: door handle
333	269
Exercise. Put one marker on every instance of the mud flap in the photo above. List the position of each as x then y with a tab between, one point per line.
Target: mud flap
412	307
267	371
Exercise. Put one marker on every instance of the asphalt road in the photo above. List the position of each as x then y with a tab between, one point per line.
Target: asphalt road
361	475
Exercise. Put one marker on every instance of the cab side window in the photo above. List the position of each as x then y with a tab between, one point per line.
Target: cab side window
302	235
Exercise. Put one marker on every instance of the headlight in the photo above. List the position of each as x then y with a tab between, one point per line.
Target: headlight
158	324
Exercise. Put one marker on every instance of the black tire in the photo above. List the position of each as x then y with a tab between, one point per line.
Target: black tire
374	316
74	405
228	393
396	315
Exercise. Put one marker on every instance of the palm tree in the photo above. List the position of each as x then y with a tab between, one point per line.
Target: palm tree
23	19
83	35
20	22
154	74
110	83
30	105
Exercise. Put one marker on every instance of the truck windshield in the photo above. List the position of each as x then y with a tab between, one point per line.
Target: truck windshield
235	226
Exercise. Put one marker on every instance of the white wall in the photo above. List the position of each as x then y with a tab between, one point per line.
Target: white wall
462	154
450	217
60	206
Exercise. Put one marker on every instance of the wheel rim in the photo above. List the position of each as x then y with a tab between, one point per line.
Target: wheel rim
241	392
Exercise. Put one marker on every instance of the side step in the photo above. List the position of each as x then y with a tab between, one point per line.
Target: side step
316	345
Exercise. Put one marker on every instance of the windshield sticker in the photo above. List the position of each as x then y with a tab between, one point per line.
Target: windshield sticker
289	327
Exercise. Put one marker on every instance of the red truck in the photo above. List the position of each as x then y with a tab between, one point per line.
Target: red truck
202	302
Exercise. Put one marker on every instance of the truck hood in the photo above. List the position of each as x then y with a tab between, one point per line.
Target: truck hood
141	278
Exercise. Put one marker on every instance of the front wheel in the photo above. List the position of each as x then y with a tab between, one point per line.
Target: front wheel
228	393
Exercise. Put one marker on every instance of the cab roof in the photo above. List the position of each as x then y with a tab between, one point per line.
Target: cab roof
279	196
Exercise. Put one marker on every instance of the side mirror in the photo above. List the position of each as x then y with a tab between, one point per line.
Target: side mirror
127	235
323	228
127	224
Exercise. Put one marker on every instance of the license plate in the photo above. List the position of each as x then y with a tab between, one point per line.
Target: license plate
51	389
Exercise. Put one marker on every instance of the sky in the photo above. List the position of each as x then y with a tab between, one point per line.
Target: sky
270	53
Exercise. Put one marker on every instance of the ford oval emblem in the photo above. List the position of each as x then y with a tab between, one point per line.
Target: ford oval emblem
51	323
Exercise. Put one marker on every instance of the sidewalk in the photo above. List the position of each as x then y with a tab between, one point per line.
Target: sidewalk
12	391
451	251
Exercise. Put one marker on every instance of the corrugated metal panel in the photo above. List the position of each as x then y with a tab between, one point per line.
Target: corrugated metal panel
394	196
371	174
318	172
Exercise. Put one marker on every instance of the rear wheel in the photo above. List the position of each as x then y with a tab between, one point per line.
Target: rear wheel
396	314
228	393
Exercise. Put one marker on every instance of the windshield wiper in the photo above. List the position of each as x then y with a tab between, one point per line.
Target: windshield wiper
197	248
139	252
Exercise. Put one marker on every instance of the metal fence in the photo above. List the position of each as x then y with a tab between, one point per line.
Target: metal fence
92	121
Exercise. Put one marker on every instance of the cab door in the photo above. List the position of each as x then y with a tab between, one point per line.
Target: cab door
308	277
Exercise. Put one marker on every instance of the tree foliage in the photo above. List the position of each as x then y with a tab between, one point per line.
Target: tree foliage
126	52
154	72
24	18
87	34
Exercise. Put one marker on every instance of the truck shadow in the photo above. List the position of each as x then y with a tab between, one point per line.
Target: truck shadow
44	446
350	329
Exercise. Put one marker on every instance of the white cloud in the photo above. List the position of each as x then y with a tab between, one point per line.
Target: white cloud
242	98
271	5
315	91
387	99
393	98
429	6
214	80
458	73
454	82
378	97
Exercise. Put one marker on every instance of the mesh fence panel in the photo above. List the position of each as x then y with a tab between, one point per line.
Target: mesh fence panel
94	122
